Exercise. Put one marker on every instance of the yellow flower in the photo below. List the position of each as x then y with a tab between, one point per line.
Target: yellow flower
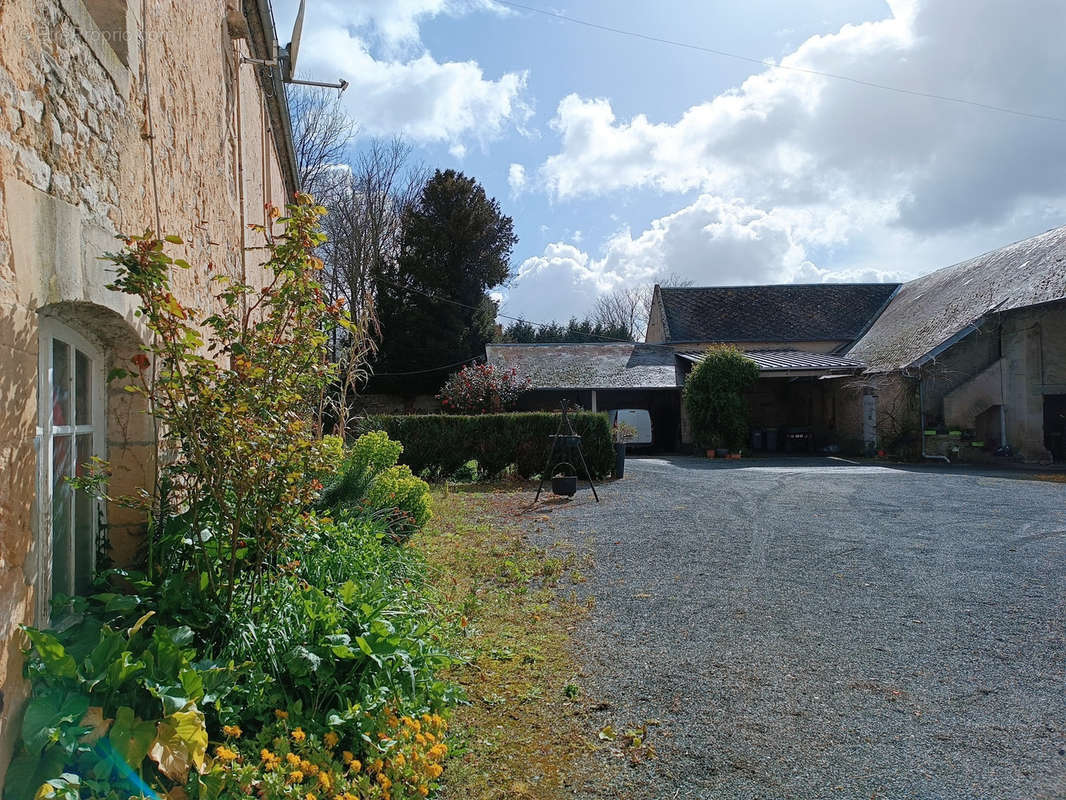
434	770
310	796
383	779
293	759
325	780
232	730
298	735
399	761
347	756
281	714
355	766
223	753
420	738
331	739
423	790
295	777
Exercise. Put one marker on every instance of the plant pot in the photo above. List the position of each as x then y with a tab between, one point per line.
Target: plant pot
734	456
564	484
721	452
619	459
710	454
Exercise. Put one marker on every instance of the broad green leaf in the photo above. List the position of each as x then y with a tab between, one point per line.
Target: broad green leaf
348	591
54	656
173	239
27	772
47	713
122	669
131	736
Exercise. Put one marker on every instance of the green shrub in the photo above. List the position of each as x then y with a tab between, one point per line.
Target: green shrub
714	397
370	481
398	488
345	627
437	446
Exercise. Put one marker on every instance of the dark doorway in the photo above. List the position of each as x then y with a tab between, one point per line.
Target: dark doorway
1055	425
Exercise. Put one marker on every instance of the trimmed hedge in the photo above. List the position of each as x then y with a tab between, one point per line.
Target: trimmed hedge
437	446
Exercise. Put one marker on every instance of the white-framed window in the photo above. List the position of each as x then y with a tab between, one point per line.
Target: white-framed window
71	419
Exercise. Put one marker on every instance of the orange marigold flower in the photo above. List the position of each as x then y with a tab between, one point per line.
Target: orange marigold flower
295	777
281	714
355	766
298	735
434	770
331	739
232	730
293	759
347	756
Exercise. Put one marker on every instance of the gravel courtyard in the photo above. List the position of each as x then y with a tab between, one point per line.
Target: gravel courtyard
820	629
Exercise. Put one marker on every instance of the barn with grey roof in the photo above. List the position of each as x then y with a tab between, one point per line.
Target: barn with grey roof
965	363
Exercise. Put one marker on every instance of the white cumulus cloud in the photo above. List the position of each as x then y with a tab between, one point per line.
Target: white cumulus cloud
794	176
396	85
516	178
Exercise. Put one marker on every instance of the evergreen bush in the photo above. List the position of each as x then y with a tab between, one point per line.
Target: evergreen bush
714	397
436	445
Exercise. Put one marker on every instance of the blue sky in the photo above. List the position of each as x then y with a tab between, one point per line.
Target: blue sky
622	159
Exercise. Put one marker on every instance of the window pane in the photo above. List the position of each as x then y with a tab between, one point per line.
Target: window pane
83	399
84	520
62	511
60	383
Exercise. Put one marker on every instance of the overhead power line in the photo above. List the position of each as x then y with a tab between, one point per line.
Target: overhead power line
768	64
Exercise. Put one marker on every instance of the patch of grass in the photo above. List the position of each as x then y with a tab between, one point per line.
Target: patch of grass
524	732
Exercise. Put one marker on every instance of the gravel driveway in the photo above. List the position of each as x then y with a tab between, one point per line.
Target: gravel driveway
820	629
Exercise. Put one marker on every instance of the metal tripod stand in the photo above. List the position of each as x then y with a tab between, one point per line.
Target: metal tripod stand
569	439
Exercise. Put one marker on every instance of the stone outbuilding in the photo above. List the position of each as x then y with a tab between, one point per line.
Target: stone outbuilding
115	116
979	349
967	363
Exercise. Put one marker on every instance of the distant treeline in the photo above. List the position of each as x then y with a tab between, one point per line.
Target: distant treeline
580	331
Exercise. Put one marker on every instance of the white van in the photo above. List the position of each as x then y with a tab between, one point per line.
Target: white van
639	418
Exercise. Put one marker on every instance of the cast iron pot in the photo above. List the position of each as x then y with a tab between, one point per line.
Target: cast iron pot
564	484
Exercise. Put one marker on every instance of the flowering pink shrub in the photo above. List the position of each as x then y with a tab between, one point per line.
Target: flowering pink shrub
482	389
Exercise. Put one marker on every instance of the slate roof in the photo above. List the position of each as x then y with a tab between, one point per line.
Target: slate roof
778	313
589	366
770	361
929	311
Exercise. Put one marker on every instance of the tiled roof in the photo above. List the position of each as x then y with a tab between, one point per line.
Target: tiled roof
793	361
929	311
589	366
779	313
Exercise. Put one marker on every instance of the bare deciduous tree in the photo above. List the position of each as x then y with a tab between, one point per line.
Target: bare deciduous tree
365	198
629	307
322	133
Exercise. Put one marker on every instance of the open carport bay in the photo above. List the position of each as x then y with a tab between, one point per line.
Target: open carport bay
817	628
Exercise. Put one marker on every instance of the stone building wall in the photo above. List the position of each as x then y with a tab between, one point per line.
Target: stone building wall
105	107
